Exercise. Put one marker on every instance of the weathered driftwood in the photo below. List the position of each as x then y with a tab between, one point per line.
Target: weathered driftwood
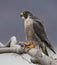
37	56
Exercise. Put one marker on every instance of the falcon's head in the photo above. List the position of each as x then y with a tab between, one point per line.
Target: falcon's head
25	14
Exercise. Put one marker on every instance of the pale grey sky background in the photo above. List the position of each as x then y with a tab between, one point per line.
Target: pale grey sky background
11	23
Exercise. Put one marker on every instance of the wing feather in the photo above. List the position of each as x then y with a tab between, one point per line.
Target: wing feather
40	32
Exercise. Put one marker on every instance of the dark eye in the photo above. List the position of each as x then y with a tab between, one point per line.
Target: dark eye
25	15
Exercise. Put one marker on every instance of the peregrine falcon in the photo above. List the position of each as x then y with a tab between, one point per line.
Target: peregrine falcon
35	31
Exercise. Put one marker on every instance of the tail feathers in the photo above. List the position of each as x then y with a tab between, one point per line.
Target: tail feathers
47	43
44	49
53	50
46	52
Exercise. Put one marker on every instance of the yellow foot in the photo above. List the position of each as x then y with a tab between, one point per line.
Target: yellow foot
29	45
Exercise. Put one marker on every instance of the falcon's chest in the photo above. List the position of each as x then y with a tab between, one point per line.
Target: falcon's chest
28	24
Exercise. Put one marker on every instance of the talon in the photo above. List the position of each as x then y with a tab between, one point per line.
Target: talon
26	43
29	45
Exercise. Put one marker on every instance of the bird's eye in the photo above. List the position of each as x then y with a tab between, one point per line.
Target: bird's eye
24	13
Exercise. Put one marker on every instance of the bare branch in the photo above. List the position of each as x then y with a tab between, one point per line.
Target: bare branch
37	57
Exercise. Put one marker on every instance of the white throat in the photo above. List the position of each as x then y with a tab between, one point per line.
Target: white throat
28	22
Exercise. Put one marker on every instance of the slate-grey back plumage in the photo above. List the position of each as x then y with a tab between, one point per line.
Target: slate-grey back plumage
40	31
35	31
